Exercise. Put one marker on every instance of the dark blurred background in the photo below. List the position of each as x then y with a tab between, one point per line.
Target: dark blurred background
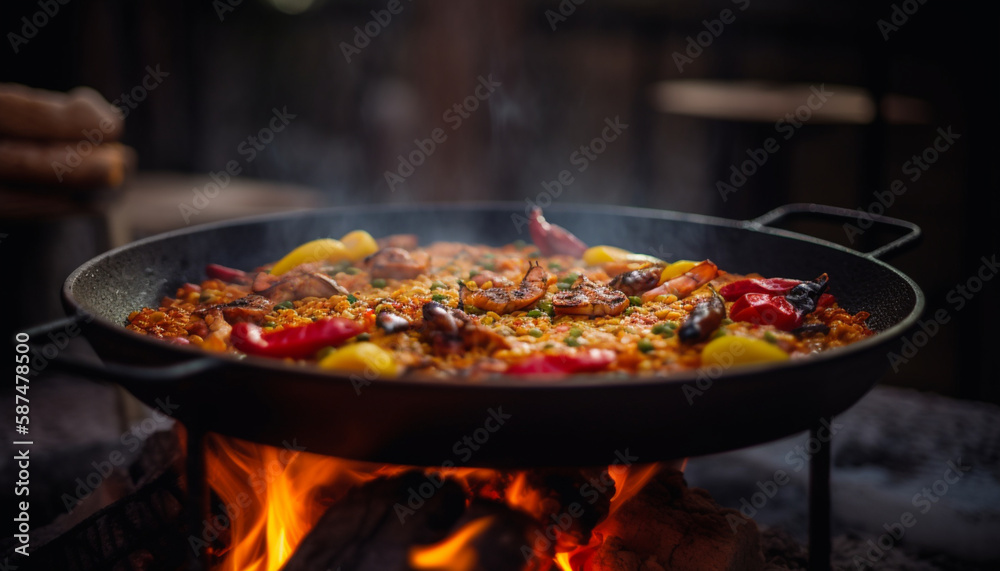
696	83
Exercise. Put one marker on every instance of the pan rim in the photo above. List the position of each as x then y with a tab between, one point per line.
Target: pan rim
501	382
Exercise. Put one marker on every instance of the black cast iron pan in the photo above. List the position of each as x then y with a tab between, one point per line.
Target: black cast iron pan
504	422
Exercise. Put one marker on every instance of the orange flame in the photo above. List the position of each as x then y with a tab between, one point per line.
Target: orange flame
274	496
456	553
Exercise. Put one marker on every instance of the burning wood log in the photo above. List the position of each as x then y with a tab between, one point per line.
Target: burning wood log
670	526
415	521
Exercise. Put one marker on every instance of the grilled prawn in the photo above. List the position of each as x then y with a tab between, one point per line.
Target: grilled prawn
589	298
508	298
684	284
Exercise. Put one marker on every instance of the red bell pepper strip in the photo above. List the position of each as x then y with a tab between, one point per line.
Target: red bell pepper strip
765	309
785	312
296	342
231	275
583	361
774	286
825	300
553	240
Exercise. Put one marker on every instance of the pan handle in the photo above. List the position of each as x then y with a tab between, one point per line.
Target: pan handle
122	374
907	240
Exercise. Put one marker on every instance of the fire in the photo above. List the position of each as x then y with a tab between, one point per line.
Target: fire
273	497
277	495
455	553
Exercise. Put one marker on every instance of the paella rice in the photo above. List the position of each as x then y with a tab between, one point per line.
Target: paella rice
548	308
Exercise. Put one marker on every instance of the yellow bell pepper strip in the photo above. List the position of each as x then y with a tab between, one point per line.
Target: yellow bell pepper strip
314	251
295	342
731	350
678	268
362	357
359	244
597	255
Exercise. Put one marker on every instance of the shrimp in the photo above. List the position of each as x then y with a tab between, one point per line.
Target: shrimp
683	285
637	281
507	298
397	263
589	298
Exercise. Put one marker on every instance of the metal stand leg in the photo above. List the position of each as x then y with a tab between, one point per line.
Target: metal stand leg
198	498
819	505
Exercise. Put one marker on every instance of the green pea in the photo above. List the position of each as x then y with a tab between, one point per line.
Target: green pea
353	271
645	345
363	336
770	337
378	282
563	286
438	285
635	300
536	333
535	313
546	306
439	297
572	341
285	305
575	332
555	266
